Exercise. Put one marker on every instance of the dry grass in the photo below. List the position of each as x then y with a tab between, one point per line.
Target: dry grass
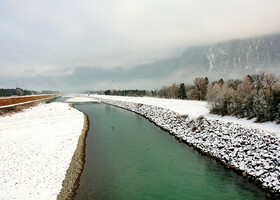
16	100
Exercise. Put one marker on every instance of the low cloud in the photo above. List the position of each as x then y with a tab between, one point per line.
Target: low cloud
50	38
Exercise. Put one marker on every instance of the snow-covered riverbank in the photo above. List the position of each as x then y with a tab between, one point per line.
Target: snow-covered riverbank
254	152
81	100
195	109
36	148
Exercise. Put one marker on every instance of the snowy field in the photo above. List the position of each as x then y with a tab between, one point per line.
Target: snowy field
36	148
82	99
194	109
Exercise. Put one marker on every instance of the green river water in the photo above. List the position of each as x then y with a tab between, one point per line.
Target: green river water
129	158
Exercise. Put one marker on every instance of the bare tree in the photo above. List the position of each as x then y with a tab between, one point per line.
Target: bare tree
201	85
256	96
174	91
245	93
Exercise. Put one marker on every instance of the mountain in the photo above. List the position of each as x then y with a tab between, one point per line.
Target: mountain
230	59
236	57
227	60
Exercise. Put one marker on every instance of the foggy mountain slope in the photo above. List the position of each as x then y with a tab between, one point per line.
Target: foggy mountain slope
250	55
230	59
233	59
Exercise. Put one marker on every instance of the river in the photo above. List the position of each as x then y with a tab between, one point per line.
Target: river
127	157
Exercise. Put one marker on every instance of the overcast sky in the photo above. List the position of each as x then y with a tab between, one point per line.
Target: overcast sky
52	37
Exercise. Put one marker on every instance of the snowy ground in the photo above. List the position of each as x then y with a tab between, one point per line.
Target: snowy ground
195	109
82	99
36	148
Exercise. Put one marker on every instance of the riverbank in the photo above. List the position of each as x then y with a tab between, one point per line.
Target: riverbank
254	153
195	109
71	182
36	150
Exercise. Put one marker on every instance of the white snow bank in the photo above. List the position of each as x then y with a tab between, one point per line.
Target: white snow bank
69	95
190	107
194	109
36	148
82	99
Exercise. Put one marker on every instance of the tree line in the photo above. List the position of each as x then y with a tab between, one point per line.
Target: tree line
22	92
16	91
197	91
256	96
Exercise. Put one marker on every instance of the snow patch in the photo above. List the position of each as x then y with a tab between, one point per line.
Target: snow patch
82	100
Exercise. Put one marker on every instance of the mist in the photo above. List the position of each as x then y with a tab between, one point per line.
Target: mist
45	43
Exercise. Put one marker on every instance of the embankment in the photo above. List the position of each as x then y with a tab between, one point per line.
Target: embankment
18	103
37	147
72	177
252	153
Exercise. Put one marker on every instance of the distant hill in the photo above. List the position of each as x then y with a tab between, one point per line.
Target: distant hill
236	57
227	60
230	59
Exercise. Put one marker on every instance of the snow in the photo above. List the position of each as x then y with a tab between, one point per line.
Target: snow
192	108
195	109
69	95
270	127
82	99
37	146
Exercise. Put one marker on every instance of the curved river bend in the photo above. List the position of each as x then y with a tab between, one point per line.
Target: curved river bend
127	157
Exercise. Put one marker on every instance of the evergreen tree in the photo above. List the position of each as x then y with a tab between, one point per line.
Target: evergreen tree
107	92
182	92
221	81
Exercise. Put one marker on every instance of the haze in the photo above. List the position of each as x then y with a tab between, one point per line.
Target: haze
45	41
